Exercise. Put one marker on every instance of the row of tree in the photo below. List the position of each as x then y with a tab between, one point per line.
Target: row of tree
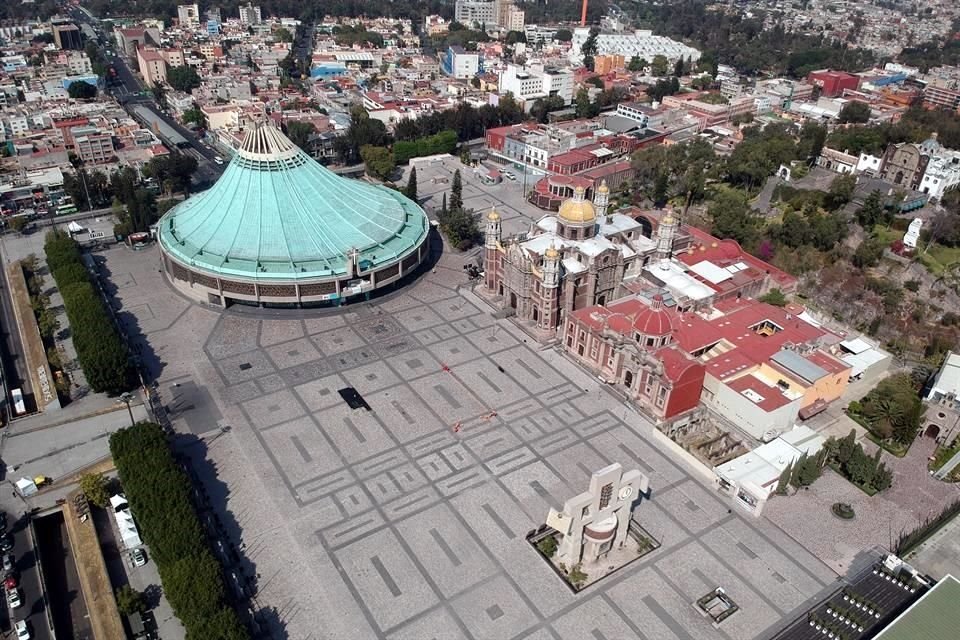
158	492
101	351
846	456
458	223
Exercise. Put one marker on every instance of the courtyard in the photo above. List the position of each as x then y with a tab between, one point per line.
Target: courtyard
408	521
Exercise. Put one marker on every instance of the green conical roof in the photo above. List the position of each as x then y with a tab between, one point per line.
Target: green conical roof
278	214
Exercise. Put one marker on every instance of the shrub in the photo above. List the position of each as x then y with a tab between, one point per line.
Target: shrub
129	600
94	487
548	546
102	354
158	492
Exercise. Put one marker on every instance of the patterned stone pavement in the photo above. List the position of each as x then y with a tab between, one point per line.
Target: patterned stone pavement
393	524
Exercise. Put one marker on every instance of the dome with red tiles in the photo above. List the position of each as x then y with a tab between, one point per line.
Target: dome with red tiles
655	320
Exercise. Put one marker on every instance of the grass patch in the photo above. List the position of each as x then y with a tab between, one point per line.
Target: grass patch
942	455
886	235
892	447
938	258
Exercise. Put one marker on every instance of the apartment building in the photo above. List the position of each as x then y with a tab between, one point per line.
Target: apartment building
153	67
527	83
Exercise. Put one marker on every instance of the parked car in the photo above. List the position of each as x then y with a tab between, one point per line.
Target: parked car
6	543
9	562
218	159
138	557
10	582
13	598
23	633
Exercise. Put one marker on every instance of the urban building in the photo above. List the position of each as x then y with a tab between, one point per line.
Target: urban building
510	17
188	15
153	67
529	82
641	43
92	145
250	14
750	480
294	234
936	96
435	25
943	397
460	63
476	13
833	83
66	36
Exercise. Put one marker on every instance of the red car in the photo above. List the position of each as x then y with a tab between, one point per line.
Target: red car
10	582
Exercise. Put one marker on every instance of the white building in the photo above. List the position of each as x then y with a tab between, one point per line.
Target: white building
477	12
869	163
942	174
641	43
461	64
188	15
527	83
250	14
752	478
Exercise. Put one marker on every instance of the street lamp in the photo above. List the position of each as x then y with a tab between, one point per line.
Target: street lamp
126	398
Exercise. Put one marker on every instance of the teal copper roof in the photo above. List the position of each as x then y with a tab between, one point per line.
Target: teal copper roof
276	213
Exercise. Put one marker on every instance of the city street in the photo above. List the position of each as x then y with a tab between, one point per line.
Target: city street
34	608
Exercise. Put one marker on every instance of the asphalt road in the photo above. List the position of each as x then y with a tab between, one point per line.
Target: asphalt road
34	608
14	361
70	618
127	91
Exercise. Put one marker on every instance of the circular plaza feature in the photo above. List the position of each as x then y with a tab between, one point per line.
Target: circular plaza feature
279	229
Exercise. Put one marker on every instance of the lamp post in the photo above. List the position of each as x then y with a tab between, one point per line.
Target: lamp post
126	398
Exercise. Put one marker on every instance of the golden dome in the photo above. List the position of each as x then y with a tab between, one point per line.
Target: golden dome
552	253
493	215
577	210
667	219
603	187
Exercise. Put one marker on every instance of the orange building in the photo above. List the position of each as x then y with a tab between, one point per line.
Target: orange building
608	63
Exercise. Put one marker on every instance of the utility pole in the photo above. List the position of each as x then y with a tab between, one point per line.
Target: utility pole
126	397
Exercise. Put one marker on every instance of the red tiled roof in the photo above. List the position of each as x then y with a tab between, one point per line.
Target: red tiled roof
675	362
773	398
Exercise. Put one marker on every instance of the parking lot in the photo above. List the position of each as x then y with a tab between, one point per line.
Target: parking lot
435	176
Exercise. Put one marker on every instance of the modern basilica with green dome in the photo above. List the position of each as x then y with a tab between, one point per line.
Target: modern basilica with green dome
279	229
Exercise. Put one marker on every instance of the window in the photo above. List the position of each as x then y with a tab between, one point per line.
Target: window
650	342
605	494
594	350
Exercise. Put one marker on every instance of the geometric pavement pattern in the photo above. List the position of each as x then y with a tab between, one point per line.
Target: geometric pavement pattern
417	510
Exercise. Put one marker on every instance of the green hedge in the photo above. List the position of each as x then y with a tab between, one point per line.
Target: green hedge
158	492
100	350
443	142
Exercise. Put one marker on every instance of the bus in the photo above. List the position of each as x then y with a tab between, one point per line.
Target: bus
65	209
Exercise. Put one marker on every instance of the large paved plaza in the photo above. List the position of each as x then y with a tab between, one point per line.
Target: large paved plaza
391	523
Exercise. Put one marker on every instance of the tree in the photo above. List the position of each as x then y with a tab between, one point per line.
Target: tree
846	446
411	190
636	64
868	253
18	223
94	487
563	35
860	466
378	160
797	469
283	35
872	212
542	107
882	478
660	65
854	112
79	90
841	191
300	133
363	131
678	68
548	546
775	297
732	217
456	192
130	601
577	577
195	116
784	481
183	78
